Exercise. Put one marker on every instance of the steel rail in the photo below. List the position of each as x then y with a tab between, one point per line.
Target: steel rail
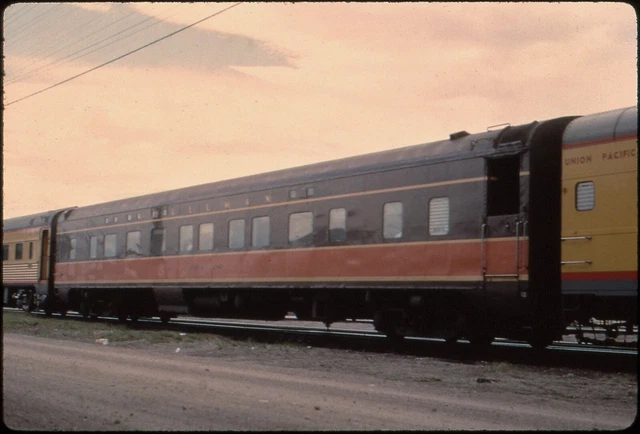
234	324
371	333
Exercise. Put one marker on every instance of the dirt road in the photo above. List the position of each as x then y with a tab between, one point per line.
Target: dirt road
65	385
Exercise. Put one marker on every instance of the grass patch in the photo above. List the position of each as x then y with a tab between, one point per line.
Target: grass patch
85	330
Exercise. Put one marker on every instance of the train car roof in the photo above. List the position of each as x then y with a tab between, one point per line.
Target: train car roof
460	145
601	126
608	125
30	221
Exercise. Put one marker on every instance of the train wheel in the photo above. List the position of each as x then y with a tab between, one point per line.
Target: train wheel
394	336
477	331
481	341
165	319
122	314
85	308
612	332
27	302
539	343
390	324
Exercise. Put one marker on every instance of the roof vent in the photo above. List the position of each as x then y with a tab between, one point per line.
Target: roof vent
458	135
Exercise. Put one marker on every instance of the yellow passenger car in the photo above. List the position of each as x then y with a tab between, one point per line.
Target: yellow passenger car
600	218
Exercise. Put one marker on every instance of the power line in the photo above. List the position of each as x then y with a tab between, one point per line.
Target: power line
78	54
61	37
31	23
19	74
122	56
18	14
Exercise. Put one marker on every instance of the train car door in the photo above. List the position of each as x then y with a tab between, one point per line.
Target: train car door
504	227
44	255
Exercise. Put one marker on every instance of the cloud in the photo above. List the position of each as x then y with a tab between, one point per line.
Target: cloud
90	36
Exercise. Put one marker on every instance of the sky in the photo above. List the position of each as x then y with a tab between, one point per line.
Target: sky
266	86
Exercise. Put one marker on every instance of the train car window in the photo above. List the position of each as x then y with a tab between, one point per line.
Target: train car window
236	234
93	247
337	225
129	217
301	228
158	244
392	220
5	252
110	247
260	231
72	249
115	219
205	240
18	255
186	238
503	185
585	195
439	216
31	250
133	243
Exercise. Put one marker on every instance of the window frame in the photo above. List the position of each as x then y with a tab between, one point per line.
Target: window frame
258	225
18	251
333	227
387	221
73	249
130	240
308	216
430	216
107	248
593	195
93	247
185	239
210	236
236	230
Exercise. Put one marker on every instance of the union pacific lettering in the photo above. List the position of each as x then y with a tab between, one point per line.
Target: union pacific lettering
627	153
586	159
582	159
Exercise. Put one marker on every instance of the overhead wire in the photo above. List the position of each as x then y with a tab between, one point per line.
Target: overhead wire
71	57
14	16
19	41
124	55
41	48
66	36
31	22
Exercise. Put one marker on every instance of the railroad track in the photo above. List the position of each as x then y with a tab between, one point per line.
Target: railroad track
371	333
360	329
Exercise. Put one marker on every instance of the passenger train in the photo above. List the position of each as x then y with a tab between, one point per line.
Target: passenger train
516	232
